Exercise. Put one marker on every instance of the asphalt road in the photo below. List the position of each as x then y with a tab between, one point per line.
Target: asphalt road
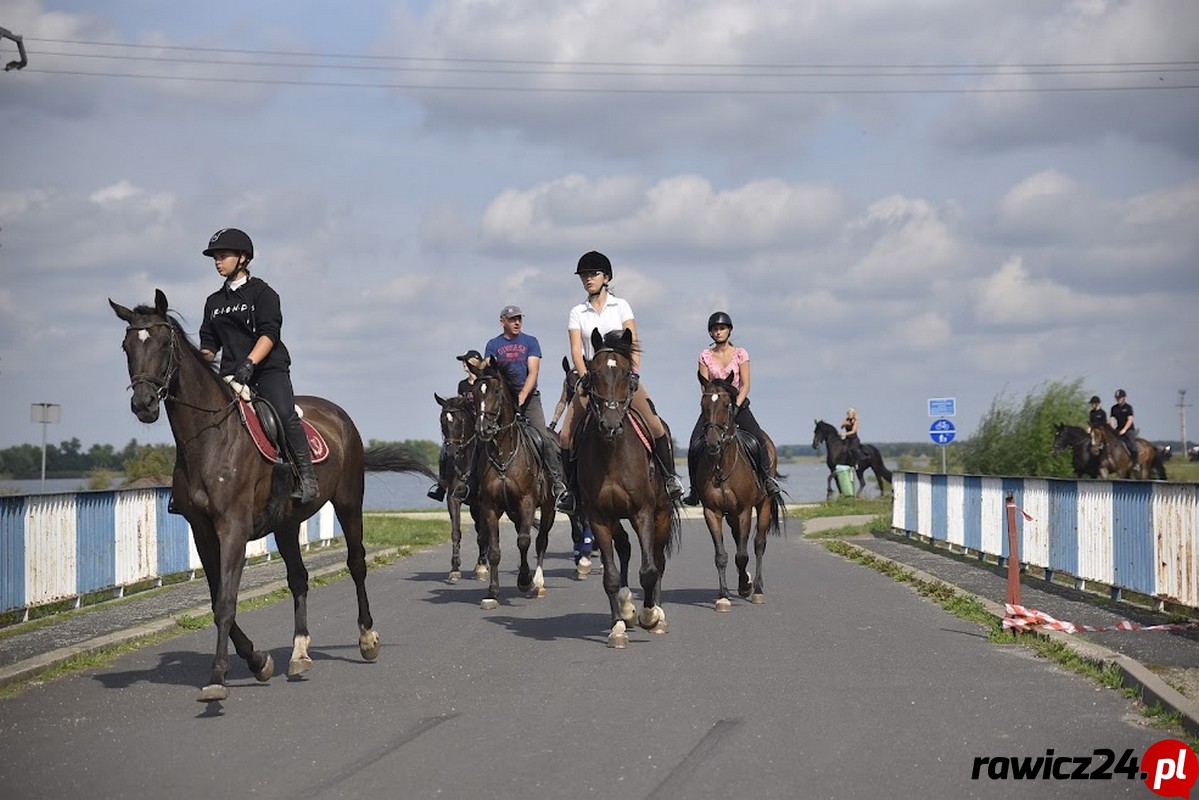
844	684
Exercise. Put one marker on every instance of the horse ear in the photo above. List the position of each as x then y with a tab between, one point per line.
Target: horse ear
160	302
597	339
121	311
699	376
627	336
565	364
440	400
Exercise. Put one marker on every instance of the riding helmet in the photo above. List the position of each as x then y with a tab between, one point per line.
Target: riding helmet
594	261
1095	399
233	239
719	318
1121	393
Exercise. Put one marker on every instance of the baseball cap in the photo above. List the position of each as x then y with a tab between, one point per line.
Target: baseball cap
1121	393
510	311
470	355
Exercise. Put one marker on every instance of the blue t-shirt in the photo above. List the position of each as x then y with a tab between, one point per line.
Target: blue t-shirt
515	352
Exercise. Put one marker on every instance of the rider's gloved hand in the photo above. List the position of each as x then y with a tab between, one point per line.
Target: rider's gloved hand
244	371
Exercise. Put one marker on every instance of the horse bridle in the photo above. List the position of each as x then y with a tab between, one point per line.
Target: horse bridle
599	400
160	385
727	429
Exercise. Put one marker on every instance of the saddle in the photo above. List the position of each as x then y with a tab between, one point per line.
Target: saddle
259	419
750	445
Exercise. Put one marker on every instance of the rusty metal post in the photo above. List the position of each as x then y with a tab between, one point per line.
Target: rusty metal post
1013	554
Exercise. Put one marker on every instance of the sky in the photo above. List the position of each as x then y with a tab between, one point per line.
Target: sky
895	200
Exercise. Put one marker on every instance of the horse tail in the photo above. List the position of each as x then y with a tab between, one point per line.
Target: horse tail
280	489
876	462
778	515
675	541
396	458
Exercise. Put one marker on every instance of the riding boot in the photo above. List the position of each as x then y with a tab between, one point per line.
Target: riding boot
566	500
437	490
465	490
665	455
551	454
307	491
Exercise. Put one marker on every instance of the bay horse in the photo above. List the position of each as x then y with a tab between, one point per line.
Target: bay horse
837	452
1078	441
730	490
230	494
618	479
1114	458
509	478
457	419
578	523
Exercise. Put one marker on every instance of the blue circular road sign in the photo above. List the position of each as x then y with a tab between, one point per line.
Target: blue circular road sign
942	432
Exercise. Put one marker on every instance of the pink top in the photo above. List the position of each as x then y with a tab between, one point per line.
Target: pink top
732	371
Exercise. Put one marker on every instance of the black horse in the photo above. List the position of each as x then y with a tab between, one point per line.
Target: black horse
458	437
1078	441
230	494
838	453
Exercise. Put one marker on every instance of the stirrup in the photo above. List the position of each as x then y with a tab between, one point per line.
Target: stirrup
692	499
565	502
436	492
674	488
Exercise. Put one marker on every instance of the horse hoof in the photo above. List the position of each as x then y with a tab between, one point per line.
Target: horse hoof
482	573
757	598
538	592
489	604
369	645
455	576
298	666
723	604
653	619
583	568
213	693
618	639
268	669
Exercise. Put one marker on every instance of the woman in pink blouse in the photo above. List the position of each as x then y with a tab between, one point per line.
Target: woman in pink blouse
723	359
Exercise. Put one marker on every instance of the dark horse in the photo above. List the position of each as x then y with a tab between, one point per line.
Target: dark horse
230	494
838	453
1078	441
510	478
618	479
1114	458
458	437
578	523
730	490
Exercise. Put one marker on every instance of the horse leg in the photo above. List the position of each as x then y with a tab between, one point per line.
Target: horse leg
652	618
454	507
224	612
765	521
618	636
741	526
714	519
861	470
542	543
350	516
483	539
288	540
489	528
524	537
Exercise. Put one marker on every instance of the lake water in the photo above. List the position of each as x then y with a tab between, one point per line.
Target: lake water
386	491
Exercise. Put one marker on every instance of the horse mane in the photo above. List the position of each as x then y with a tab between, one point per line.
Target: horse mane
723	383
821	425
188	346
506	374
613	340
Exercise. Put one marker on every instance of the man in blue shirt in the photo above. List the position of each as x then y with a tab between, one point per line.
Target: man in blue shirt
522	354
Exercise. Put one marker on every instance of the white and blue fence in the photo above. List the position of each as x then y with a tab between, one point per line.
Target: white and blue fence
57	547
1127	535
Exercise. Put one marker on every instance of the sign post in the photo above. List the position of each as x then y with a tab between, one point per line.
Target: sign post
45	413
942	432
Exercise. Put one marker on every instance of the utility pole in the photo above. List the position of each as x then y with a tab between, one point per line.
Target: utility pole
44	413
1182	418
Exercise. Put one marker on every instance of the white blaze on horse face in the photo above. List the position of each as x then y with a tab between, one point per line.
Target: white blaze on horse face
611	362
143	335
715	397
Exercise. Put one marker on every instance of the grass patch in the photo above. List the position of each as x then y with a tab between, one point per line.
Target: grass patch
968	608
405	533
844	507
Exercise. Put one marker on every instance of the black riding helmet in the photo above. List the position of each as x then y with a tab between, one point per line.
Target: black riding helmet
594	261
1095	399
719	318
231	239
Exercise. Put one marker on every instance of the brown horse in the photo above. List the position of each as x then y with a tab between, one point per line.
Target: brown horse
458	437
618	479
230	494
730	490
1114	458
509	478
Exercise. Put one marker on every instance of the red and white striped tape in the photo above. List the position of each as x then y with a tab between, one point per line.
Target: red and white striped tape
1029	619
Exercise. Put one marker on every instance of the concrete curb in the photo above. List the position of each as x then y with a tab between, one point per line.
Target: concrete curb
31	667
1151	687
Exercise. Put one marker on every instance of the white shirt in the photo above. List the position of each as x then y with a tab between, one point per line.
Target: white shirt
585	319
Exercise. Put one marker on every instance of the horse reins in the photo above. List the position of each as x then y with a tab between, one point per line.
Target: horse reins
607	402
161	385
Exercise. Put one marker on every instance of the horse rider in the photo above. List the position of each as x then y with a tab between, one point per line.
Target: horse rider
722	359
521	352
605	312
1124	425
1098	417
853	444
437	490
244	320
